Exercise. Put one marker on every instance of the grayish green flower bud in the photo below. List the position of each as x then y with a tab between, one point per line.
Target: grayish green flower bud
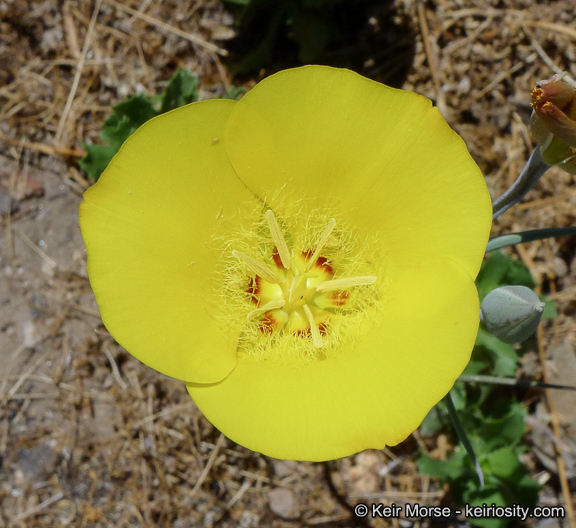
511	313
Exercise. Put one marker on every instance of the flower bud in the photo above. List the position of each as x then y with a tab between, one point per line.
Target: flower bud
554	90
511	313
553	122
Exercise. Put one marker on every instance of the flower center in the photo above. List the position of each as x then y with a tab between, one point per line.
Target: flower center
297	291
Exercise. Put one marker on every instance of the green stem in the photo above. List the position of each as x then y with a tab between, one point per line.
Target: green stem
493	380
531	173
463	436
528	236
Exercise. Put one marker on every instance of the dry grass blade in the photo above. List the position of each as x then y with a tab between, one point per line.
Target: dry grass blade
51	262
566	493
38	509
171	29
566	30
431	56
499	78
41	147
79	68
208	466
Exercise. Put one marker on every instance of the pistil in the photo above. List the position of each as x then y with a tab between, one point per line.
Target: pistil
297	288
291	296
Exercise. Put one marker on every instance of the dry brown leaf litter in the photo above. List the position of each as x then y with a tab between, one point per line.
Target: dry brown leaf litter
91	438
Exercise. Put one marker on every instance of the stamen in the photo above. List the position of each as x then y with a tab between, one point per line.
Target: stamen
321	243
278	238
314	330
343	284
274	304
256	267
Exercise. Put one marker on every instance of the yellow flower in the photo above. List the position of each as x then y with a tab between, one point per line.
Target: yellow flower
303	259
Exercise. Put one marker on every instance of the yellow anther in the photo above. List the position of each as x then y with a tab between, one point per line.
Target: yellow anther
256	267
278	239
321	243
345	283
274	304
317	340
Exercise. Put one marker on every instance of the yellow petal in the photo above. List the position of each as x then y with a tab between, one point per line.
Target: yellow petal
148	225
373	392
385	156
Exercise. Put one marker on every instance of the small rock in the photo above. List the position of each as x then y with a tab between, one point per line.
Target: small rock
7	204
364	474
27	186
36	464
283	502
283	468
248	520
559	267
30	334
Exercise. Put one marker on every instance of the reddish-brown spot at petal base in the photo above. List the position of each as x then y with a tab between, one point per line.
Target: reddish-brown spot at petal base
321	263
277	259
268	323
302	332
339	298
306	332
254	288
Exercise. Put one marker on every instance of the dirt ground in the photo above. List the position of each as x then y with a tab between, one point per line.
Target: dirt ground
89	437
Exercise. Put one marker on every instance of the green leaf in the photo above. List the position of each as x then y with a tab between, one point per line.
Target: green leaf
499	270
116	134
488	495
503	356
435	421
505	464
474	367
506	429
459	397
549	308
235	92
96	160
181	90
135	110
126	118
447	470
